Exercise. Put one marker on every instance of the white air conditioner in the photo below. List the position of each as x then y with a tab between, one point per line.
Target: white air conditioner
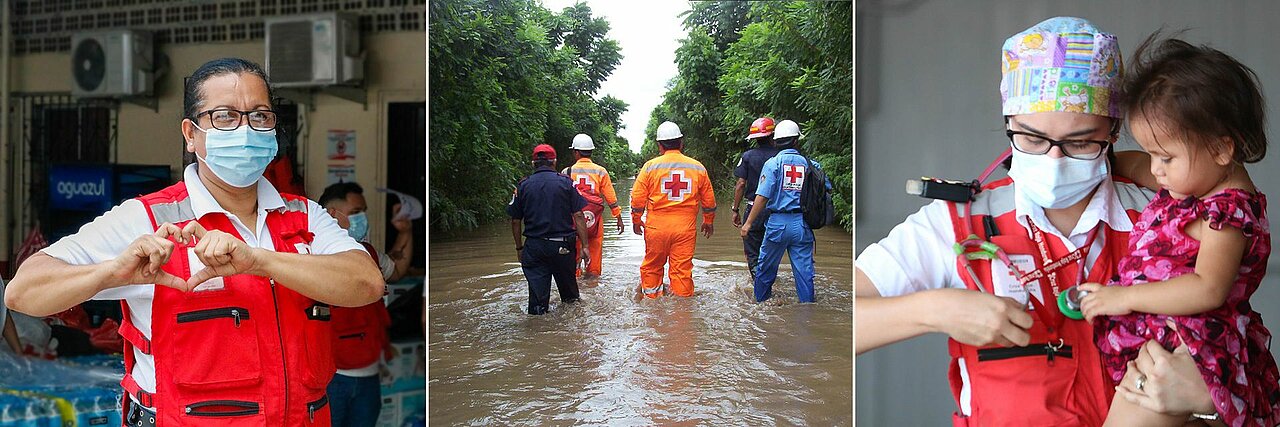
314	50
111	63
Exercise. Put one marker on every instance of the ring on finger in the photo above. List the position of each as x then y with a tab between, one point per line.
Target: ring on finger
1140	382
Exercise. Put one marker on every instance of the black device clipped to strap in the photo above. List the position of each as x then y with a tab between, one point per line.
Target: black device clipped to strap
952	191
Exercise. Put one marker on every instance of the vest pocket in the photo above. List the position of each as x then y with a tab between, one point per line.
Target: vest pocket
318	410
317	336
222	408
221	412
1043	387
356	345
216	347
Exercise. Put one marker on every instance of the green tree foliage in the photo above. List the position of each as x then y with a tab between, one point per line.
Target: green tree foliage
787	60
507	75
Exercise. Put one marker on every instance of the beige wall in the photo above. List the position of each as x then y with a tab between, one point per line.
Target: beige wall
395	71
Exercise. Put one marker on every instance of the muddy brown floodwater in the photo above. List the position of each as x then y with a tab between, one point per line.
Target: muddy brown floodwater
717	358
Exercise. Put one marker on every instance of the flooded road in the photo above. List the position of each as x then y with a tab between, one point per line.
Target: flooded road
714	359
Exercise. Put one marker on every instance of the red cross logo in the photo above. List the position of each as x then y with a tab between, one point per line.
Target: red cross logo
676	186
583	181
794	177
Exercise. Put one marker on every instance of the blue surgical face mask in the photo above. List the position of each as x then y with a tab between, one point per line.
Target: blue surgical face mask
239	157
359	228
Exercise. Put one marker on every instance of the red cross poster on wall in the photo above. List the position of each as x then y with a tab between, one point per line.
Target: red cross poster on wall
341	157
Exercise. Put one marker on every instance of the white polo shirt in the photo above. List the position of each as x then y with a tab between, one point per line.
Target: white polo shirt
110	234
917	256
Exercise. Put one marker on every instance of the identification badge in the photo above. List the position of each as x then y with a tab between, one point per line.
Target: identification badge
1006	282
213	284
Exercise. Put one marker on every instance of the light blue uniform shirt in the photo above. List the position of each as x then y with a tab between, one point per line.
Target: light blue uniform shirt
781	180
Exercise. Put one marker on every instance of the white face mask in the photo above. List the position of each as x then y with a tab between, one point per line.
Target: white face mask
1056	183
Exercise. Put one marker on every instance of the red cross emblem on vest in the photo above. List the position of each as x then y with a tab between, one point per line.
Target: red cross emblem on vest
584	181
793	177
676	185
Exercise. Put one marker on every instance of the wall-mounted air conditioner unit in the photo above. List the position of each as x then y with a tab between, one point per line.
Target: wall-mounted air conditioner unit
314	50
112	63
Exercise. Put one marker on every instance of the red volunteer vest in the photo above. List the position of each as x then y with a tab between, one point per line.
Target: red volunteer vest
250	352
360	333
1025	386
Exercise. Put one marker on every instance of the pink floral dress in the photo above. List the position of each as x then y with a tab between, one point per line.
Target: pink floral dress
1229	343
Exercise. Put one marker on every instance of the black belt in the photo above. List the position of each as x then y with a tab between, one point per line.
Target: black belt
139	416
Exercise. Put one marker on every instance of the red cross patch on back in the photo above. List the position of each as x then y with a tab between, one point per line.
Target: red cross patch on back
676	186
792	177
581	180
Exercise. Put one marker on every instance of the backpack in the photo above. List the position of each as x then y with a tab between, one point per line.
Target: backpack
594	210
815	198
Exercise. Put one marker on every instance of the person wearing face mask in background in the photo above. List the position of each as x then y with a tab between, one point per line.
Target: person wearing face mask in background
360	334
226	284
1015	358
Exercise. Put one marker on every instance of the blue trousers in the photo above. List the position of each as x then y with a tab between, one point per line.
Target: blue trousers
785	231
354	401
755	238
543	260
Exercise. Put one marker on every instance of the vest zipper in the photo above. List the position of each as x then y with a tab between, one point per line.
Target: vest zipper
315	406
359	335
283	359
1050	351
246	408
237	313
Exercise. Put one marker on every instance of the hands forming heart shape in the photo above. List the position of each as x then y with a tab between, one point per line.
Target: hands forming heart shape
222	254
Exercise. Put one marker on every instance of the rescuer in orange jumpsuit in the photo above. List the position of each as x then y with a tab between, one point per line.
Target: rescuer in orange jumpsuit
671	188
585	172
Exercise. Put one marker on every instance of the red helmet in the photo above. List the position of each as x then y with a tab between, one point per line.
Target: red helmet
761	127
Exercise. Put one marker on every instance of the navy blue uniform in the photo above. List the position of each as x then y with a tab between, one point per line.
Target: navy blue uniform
749	170
546	201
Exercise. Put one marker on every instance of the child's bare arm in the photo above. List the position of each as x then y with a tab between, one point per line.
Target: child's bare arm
1193	293
1136	166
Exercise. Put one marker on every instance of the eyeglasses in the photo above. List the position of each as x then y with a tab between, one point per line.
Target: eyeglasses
1080	149
229	119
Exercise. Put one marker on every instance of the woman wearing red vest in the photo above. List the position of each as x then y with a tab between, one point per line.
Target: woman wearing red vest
1061	220
225	283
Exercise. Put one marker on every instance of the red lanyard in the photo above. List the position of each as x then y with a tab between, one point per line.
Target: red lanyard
1050	268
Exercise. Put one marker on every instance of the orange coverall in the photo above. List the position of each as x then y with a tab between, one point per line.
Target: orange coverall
587	172
672	188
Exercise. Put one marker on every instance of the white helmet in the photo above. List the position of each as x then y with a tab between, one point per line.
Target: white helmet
668	131
582	142
786	128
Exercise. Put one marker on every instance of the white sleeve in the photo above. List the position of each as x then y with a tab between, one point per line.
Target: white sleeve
103	239
915	256
330	238
385	263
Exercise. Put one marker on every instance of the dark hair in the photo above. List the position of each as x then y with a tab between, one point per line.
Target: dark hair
762	141
672	144
193	97
550	163
786	141
338	191
1203	93
584	153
